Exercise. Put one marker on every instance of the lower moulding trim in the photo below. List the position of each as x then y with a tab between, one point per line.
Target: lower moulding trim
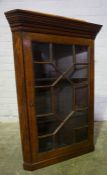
47	162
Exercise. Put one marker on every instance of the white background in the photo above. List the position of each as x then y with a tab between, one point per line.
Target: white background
91	10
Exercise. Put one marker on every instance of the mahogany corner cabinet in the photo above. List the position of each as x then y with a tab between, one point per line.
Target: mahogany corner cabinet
54	66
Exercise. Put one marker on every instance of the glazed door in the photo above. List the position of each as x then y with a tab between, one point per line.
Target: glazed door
61	83
61	93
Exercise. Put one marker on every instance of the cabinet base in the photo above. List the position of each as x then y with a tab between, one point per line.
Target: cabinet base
44	163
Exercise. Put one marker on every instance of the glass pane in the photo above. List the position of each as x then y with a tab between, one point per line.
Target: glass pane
81	54
79	119
45	74
66	135
81	97
80	72
43	101
81	134
61	94
46	144
63	56
40	51
47	124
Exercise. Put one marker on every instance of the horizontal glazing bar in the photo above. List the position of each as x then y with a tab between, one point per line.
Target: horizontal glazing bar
80	85
45	86
81	109
42	62
45	79
45	115
78	128
78	80
50	62
81	63
45	135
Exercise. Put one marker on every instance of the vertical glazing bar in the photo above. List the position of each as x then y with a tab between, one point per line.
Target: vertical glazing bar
50	52
74	54
74	64
54	141
74	101
52	90
53	100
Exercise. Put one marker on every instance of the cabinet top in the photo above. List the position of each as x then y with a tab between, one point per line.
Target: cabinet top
28	21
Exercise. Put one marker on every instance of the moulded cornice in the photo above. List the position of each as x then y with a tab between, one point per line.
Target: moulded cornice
28	21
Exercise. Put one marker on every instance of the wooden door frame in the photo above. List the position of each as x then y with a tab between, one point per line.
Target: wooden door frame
26	100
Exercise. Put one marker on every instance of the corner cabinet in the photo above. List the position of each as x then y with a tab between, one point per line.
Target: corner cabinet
54	65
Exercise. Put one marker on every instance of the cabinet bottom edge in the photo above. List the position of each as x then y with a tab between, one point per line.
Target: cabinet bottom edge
47	162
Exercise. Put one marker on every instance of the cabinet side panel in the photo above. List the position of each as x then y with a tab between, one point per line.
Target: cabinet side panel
30	97
21	95
91	94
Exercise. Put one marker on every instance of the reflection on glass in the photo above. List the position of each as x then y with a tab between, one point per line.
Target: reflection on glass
40	51
80	72
63	56
81	54
61	94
